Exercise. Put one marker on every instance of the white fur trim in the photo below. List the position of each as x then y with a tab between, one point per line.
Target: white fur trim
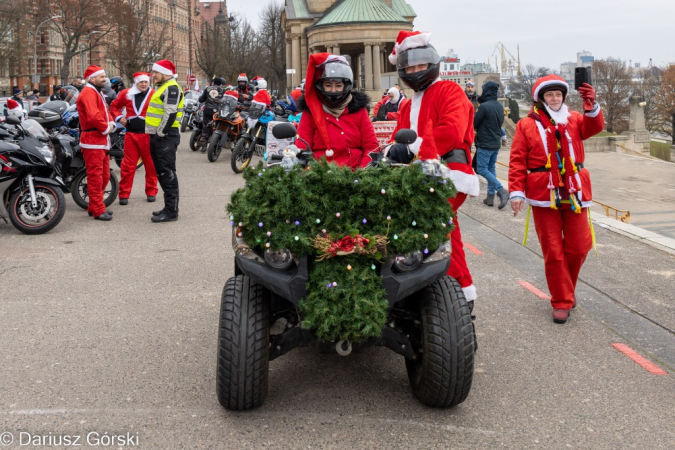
470	293
418	40
595	111
516	194
95	147
415	146
547	204
258	103
133	90
95	74
549	83
161	69
140	78
466	183
111	127
561	116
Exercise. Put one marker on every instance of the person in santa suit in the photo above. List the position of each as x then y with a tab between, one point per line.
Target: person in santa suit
445	105
390	105
96	123
547	171
262	97
335	120
129	109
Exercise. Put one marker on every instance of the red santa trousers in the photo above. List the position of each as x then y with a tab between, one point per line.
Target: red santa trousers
565	239
458	268
97	165
137	145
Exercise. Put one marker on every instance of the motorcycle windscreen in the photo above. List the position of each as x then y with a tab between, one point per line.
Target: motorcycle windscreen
228	104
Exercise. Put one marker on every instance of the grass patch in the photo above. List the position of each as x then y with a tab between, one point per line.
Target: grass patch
660	150
604	133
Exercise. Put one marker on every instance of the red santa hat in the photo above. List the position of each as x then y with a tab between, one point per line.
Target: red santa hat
262	97
165	67
242	77
428	150
314	71
93	71
549	83
232	94
14	108
141	76
407	40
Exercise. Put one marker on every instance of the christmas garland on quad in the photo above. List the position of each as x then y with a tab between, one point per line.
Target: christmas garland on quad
348	223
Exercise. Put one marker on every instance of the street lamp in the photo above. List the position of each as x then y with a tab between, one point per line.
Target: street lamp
90	46
35	75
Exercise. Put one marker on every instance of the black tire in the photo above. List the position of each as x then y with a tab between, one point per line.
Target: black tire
243	344
213	151
238	162
81	197
442	373
195	140
183	123
49	212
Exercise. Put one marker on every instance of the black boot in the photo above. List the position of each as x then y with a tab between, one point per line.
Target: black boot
105	216
489	200
164	217
503	195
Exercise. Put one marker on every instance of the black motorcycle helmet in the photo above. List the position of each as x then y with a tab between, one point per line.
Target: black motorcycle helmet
117	83
334	71
218	81
419	81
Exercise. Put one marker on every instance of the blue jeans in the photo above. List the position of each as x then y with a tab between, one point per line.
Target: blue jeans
485	165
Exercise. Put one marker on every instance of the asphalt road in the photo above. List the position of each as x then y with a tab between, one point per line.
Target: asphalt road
112	327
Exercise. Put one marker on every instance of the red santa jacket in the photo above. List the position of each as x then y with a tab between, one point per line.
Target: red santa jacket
444	103
390	115
528	151
125	100
351	135
95	119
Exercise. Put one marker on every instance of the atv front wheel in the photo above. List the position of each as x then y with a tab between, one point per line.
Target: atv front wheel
243	344
442	371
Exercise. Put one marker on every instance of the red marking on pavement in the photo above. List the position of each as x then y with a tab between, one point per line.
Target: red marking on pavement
644	362
534	290
473	249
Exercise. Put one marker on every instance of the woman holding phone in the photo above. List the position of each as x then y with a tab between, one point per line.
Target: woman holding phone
546	170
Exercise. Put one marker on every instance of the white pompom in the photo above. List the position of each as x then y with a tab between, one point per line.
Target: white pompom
329	153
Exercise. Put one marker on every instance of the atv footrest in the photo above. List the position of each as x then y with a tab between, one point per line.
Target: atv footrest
396	341
287	341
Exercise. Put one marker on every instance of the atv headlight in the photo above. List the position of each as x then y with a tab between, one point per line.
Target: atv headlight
240	247
279	259
444	251
408	262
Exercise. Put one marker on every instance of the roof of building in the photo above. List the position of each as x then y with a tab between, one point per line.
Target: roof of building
403	8
297	9
353	11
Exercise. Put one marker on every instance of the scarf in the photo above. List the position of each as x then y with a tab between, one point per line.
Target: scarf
562	170
338	110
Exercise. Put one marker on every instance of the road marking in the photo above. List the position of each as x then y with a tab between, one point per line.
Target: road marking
534	290
473	249
644	362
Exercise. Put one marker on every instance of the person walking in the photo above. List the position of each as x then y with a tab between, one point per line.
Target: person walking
487	124
446	106
96	123
129	109
162	123
547	171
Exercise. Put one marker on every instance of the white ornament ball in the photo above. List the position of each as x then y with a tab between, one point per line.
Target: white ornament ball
329	153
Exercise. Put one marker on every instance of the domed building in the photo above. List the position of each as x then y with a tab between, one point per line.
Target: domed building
364	31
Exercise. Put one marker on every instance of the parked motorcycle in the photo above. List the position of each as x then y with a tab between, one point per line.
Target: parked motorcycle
252	141
190	107
30	192
227	126
196	136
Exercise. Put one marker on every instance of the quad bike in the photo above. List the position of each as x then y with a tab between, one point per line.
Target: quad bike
428	320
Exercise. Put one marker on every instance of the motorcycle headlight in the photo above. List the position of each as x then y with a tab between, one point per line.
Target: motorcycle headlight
47	153
444	251
279	259
408	262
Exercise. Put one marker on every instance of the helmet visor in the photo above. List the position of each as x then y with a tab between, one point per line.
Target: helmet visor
417	56
337	70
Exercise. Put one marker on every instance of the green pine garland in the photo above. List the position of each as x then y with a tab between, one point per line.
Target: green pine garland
278	209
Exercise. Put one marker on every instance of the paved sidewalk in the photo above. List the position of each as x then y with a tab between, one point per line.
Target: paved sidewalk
643	186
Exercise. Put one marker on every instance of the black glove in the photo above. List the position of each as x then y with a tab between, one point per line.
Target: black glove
401	154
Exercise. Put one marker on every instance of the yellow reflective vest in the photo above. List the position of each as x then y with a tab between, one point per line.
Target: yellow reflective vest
155	114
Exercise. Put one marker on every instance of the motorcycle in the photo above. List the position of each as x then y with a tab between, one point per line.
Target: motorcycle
196	136
57	117
190	107
30	192
227	126
252	141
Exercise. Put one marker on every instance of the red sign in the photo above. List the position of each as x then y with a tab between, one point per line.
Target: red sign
455	73
191	78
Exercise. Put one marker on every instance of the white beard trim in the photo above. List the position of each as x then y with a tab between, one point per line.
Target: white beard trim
560	116
470	293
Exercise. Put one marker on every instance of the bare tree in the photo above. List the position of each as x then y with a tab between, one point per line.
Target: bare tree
245	53
273	42
132	47
665	101
613	83
213	46
525	83
83	25
11	12
648	90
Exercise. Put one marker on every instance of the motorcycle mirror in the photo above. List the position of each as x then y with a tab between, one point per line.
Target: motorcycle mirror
284	130
405	136
12	120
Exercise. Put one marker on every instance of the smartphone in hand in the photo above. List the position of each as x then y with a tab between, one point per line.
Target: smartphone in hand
582	75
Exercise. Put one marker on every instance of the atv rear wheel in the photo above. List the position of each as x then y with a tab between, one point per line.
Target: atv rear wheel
243	344
442	372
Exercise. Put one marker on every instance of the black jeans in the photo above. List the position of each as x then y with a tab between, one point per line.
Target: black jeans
163	152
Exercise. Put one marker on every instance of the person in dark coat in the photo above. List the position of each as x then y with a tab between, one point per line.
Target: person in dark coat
17	97
488	126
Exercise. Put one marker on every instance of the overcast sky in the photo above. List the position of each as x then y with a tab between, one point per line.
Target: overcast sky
549	33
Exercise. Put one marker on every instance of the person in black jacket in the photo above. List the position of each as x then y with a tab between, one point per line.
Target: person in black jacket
487	124
211	98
